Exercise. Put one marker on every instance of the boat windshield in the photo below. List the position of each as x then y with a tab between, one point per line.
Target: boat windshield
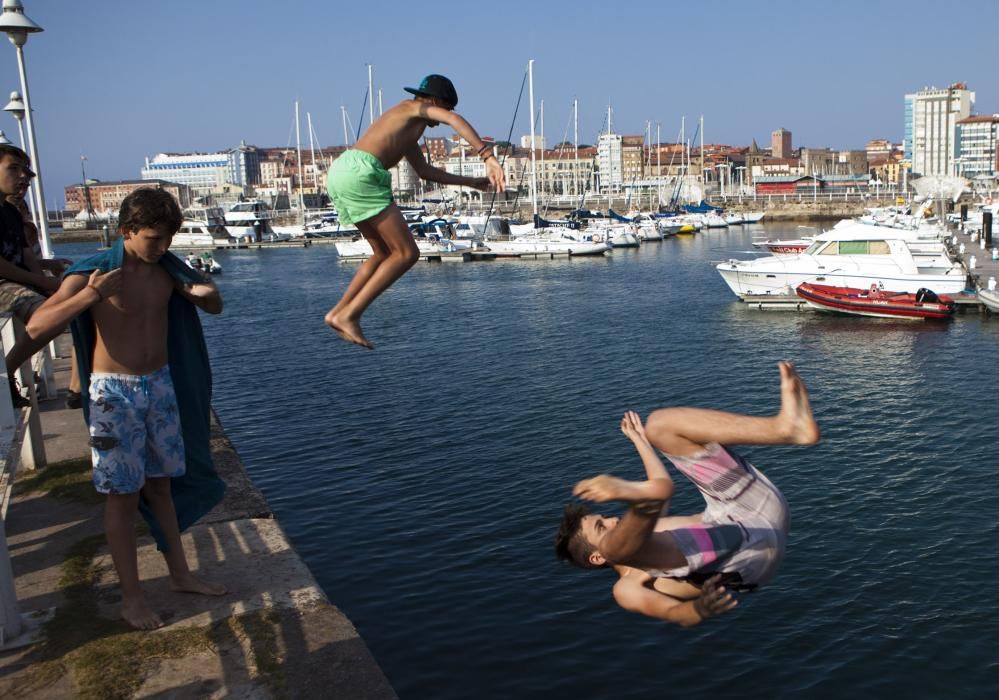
849	248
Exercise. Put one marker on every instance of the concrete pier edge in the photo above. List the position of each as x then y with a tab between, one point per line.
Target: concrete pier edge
275	634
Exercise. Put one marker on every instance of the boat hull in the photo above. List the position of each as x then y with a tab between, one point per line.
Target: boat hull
874	302
990	299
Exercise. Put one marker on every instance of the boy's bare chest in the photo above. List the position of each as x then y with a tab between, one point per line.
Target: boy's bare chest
143	295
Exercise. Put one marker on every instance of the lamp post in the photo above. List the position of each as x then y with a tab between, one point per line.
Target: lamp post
16	109
17	26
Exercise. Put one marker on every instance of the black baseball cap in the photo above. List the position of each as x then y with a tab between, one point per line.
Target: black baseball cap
436	86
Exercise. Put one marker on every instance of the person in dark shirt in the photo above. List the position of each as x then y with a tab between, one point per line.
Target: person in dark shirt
23	283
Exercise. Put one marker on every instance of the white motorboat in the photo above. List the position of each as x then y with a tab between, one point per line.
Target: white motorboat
734	219
202	228
990	298
203	263
753	217
851	256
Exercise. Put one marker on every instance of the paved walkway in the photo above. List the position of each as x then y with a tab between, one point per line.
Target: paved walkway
275	634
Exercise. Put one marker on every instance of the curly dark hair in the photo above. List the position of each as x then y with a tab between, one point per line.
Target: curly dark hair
570	545
149	207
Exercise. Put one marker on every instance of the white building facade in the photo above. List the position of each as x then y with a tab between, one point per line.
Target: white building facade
934	114
610	162
978	147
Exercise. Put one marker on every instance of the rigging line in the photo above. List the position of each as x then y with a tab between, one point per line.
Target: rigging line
361	121
509	136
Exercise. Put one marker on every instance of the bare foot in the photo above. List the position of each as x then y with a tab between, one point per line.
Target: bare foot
349	331
138	615
189	583
795	418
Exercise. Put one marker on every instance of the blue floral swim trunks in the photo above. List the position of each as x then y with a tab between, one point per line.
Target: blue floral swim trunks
135	430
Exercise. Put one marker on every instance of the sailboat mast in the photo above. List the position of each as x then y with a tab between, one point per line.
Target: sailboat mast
346	134
298	148
659	166
312	150
534	169
648	163
371	97
704	180
575	141
543	172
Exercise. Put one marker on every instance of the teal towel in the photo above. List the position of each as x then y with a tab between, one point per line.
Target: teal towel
200	489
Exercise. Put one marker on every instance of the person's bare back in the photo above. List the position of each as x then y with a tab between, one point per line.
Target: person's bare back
395	132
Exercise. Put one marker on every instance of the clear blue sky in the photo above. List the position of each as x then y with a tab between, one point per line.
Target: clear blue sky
118	80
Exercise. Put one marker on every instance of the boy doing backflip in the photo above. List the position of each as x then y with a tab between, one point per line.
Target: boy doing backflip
677	568
361	189
137	435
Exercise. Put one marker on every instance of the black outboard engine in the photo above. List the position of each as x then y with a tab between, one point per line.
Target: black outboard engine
926	296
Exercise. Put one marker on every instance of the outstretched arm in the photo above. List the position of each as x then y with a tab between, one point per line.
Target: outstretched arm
633	592
631	426
494	171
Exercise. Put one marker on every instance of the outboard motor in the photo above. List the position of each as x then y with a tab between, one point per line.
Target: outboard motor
926	296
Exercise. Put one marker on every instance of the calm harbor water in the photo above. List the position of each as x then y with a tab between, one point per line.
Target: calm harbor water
422	482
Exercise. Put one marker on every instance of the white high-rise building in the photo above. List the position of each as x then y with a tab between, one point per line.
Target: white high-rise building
610	161
931	118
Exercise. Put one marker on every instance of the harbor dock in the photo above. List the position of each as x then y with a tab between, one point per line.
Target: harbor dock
275	634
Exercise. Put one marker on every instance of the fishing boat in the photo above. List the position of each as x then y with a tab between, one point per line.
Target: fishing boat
876	302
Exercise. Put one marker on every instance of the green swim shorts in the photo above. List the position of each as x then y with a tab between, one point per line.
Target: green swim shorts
359	187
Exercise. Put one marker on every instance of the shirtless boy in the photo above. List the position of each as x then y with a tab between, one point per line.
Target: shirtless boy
135	424
361	189
681	568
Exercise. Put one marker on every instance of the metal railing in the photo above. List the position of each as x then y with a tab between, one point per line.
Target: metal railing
21	444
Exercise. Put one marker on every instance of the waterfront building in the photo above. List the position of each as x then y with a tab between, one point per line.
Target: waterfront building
878	149
610	165
244	165
931	127
777	167
978	147
106	197
780	143
202	172
632	148
754	160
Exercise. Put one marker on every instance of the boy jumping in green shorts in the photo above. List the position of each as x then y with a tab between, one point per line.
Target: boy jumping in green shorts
361	189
